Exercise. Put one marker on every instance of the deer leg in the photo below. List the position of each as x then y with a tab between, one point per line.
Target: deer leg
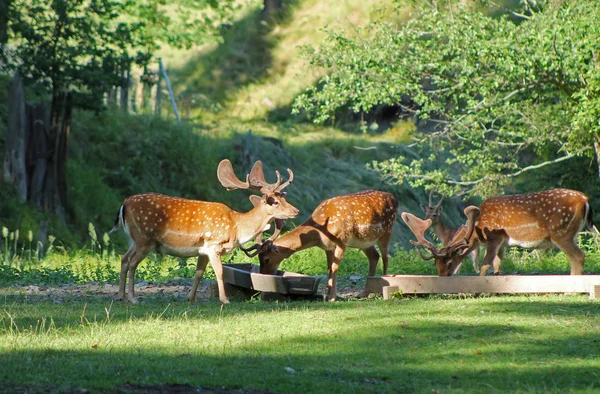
124	268
575	255
475	257
333	263
492	249
200	268
215	262
136	257
384	244
373	257
498	260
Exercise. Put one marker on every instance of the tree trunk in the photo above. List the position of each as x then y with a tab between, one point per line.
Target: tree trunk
4	7
597	149
55	185
14	170
125	91
37	152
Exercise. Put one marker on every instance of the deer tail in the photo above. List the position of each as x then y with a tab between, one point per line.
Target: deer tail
589	219
119	220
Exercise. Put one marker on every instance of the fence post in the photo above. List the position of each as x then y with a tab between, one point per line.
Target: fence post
163	71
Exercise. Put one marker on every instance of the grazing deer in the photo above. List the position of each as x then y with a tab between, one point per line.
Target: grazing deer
445	234
358	220
187	228
449	258
535	220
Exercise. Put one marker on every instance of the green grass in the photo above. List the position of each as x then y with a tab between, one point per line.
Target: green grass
422	345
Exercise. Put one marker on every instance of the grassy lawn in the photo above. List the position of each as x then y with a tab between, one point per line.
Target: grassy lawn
420	344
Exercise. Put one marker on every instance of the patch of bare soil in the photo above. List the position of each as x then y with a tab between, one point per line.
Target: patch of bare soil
346	288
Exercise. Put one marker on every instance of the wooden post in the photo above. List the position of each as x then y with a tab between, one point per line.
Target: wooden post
163	71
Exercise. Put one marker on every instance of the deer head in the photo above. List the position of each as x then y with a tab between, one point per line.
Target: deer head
432	211
448	258
273	198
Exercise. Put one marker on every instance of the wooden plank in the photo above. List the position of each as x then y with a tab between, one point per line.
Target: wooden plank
520	284
595	293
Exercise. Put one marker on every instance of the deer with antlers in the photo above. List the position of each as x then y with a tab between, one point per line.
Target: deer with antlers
188	228
446	234
359	220
449	258
535	220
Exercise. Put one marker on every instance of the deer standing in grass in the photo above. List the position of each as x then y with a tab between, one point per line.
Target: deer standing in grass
359	220
535	220
188	228
446	234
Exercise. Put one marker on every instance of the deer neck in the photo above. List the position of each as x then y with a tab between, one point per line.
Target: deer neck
444	234
300	238
250	224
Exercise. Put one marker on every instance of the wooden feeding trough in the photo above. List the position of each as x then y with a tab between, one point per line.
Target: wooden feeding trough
503	284
282	285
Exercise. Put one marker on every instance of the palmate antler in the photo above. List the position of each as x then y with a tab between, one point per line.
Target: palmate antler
255	180
460	243
418	228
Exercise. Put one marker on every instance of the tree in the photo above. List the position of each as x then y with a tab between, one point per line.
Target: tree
75	51
502	92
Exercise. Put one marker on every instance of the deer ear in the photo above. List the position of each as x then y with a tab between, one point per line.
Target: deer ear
255	200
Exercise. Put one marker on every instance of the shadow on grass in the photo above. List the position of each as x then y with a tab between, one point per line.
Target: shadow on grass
391	355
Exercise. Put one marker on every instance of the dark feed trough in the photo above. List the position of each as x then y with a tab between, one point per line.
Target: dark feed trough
247	279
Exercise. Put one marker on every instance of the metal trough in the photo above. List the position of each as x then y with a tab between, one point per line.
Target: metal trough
247	276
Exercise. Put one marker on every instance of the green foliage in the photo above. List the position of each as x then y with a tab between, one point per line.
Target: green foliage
491	90
115	155
87	47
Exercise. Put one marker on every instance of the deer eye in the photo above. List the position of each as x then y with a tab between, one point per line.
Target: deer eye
272	201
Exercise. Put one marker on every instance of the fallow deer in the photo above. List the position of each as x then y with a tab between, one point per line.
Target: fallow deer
359	220
188	228
535	220
447	259
446	234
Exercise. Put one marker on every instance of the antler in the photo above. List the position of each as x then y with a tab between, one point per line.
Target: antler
418	228
286	183
228	178
462	237
257	177
431	203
